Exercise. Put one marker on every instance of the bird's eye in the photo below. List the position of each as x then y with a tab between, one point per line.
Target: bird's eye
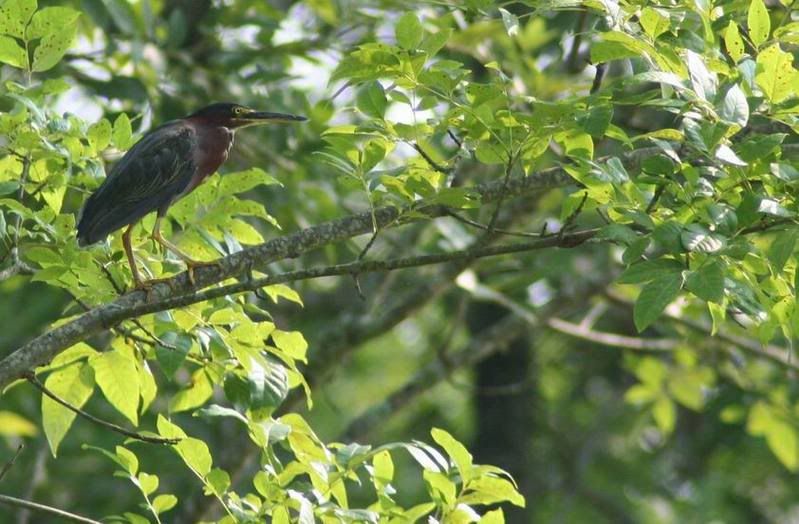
238	110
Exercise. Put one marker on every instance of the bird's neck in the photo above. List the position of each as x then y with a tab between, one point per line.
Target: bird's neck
214	143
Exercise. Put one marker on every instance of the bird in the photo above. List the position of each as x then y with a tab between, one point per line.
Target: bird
167	163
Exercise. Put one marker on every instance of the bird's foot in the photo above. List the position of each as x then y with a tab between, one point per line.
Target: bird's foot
148	285
191	265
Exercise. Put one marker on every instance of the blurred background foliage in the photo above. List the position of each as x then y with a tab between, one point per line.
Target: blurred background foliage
703	430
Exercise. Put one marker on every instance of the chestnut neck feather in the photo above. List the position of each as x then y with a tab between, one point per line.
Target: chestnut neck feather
214	141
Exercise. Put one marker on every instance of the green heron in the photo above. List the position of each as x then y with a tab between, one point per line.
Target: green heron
166	164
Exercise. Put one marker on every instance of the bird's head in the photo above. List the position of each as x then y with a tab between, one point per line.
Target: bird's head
234	116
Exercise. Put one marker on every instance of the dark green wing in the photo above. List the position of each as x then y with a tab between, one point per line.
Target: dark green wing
150	175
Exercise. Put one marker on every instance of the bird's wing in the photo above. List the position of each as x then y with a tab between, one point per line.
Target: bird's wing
150	175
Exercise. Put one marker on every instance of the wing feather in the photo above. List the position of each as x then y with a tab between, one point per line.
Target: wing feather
150	175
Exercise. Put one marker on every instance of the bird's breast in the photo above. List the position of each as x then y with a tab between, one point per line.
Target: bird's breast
213	147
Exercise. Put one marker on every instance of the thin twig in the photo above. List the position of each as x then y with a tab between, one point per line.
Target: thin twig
598	77
611	339
17	267
366	266
569	222
108	425
493	221
11	462
361	256
41	508
658	193
455	139
435	165
501	231
593	315
771	352
572	62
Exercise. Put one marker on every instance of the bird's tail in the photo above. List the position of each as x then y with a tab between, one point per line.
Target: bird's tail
88	221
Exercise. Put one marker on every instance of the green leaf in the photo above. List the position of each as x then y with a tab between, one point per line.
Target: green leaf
510	21
292	343
735	108
597	121
785	172
703	80
781	437
383	467
433	42
781	249
697	238
122	134
665	414
15	15
195	454
215	410
117	377
50	20
371	99
772	207
759	22
728	156
135	518
654	298
165	502
409	31
784	443
52	47
276	291
73	383
688	386
128	460
493	517
199	390
99	134
733	41
441	487
11	53
244	232
655	21
457	452
13	425
241	181
172	357
218	480
776	75
267	386
707	283
148	483
490	490
650	270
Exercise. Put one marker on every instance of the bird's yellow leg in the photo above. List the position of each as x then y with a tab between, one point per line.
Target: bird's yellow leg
138	283
190	262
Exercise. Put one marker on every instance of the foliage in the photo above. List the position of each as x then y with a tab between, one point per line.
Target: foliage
682	166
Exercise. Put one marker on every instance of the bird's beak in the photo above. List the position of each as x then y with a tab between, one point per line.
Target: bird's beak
263	117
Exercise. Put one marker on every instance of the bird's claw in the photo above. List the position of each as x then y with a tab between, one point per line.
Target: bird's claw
148	285
191	265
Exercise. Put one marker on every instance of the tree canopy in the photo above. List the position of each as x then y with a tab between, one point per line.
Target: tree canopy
526	261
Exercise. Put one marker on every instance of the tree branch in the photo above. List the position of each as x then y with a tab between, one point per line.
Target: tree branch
41	508
43	348
612	339
768	351
10	463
